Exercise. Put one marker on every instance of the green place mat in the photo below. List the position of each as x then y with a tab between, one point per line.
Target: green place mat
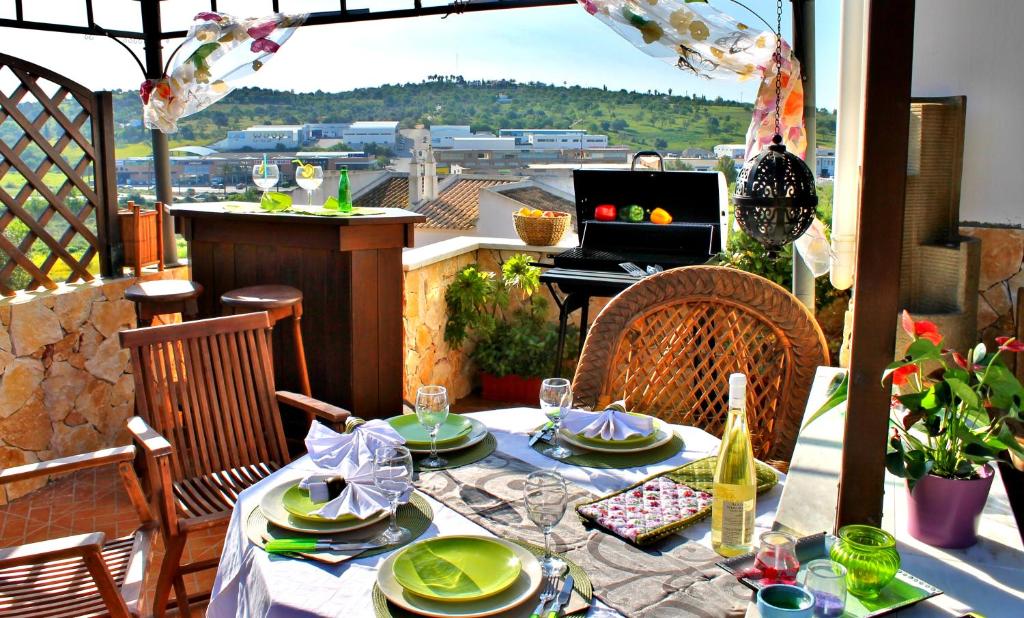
457	459
415	515
581	584
617	461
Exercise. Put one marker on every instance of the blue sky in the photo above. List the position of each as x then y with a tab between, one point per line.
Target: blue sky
552	44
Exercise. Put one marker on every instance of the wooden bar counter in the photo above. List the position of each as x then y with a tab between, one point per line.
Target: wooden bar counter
350	272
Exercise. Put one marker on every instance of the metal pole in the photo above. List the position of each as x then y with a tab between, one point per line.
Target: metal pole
803	47
161	153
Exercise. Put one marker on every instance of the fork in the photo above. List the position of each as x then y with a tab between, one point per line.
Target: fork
550	590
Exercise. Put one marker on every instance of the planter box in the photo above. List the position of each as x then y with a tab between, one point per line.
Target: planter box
142	235
512	389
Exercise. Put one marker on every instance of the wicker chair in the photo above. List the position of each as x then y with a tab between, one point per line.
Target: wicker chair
668	343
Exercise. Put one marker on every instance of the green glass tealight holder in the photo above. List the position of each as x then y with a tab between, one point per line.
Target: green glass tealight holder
870	557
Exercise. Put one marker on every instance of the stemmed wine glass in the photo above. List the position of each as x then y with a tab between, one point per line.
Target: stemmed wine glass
392	475
546	498
555	399
432	410
309	177
266	176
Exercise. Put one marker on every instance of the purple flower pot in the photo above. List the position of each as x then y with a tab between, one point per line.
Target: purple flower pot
945	512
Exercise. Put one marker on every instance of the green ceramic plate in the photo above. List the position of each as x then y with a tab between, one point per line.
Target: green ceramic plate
296	501
630	441
455	428
457	568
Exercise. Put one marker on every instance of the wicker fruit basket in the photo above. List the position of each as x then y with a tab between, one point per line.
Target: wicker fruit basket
542	231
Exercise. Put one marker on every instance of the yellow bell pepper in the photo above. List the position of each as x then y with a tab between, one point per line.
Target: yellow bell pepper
660	216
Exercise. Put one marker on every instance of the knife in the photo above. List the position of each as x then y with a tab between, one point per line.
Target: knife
540	432
563	598
277	546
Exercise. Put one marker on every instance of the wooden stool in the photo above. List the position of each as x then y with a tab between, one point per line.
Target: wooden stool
280	301
163	297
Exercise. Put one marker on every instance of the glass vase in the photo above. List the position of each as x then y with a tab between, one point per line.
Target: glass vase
870	557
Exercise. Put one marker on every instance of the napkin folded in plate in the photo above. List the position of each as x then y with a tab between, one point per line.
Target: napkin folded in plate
330	449
359	498
611	424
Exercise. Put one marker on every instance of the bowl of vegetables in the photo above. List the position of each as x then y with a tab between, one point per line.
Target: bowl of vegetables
541	228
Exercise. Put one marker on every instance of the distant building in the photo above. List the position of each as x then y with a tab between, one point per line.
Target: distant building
266	137
555	138
826	166
503	98
441	135
733	151
697	153
381	133
324	130
294	136
490	155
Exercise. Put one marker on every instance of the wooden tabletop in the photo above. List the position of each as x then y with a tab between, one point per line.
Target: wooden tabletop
250	211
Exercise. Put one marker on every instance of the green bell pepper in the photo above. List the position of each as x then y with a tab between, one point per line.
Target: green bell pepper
633	213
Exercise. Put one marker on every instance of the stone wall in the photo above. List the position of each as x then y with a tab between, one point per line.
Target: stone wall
65	383
1002	274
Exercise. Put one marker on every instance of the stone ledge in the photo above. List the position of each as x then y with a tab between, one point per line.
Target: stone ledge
420	257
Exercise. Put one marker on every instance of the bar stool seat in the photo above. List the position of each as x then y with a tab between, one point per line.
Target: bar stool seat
279	301
164	297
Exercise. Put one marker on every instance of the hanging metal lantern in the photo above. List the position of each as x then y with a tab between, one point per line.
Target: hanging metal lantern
775	197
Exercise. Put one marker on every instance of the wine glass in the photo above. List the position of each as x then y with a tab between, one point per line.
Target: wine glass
432	410
266	176
555	399
546	498
309	177
392	475
826	580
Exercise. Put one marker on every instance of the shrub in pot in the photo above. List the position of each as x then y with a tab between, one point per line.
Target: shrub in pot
953	417
507	321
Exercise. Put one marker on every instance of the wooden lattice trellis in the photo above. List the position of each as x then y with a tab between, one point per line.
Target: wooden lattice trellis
57	183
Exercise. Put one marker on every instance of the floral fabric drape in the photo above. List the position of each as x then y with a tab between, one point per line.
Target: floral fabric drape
219	50
707	42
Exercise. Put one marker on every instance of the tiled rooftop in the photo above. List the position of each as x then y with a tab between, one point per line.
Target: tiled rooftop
392	192
536	197
457	206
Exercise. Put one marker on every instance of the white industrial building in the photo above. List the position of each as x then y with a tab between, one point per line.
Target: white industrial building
441	135
293	136
480	142
552	139
733	151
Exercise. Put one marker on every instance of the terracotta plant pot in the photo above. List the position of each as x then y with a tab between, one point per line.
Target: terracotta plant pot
511	388
945	512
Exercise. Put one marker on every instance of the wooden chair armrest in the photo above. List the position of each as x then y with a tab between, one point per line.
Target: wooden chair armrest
152	442
52	549
63	465
332	414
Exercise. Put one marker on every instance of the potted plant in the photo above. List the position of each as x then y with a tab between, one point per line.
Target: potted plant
952	418
950	423
506	320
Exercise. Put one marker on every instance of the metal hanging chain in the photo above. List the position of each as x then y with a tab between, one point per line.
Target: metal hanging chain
778	68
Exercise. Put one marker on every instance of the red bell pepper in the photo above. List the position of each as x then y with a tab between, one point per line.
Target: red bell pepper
605	212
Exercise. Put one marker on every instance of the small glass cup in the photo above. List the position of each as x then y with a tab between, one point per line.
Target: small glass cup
309	178
870	557
432	411
776	558
826	580
555	399
546	499
392	475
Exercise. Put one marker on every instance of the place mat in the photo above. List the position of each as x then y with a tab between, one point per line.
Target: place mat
457	459
415	515
673	578
582	588
616	461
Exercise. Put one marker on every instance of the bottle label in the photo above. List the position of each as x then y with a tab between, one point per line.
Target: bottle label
737	523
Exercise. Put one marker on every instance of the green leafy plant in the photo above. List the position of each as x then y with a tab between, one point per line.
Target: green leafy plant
953	410
503	316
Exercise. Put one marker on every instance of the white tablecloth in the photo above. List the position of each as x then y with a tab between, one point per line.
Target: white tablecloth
252	583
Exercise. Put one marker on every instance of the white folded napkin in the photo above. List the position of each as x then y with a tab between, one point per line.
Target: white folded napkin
349	456
328	448
611	424
359	498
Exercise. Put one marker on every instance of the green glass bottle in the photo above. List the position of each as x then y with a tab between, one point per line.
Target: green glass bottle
344	191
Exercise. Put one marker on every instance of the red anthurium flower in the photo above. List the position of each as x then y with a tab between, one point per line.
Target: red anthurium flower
959	359
920	330
145	89
1009	344
899	377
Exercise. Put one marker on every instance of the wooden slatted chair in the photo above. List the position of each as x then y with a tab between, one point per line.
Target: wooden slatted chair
668	343
82	575
208	387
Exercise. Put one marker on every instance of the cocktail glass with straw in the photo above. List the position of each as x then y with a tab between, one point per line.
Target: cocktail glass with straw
309	177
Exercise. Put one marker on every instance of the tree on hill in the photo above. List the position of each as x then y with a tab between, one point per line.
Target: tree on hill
728	168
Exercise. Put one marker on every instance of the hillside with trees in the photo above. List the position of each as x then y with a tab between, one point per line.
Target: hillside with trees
647	120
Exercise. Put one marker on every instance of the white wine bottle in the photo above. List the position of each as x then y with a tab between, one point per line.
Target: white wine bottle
735	487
